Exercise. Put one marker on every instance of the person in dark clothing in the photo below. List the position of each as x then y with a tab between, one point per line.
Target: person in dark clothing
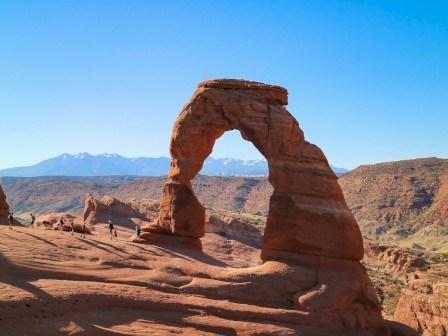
61	224
46	225
11	219
33	219
111	230
137	230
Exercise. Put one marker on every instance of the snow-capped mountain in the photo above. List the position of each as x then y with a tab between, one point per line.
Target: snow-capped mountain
85	164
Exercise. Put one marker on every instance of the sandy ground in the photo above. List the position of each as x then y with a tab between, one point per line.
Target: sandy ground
54	283
62	284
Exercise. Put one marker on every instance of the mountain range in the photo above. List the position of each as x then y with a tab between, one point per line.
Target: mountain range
85	164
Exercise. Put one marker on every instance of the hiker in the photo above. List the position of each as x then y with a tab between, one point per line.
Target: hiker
111	229
46	225
83	230
115	234
72	226
33	218
11	219
137	230
61	222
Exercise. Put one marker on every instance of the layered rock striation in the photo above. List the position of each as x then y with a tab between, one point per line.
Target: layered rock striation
423	305
307	211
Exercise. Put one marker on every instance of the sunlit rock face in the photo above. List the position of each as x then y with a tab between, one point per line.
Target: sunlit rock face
307	211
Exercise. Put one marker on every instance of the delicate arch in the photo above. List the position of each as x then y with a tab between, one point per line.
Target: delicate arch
307	210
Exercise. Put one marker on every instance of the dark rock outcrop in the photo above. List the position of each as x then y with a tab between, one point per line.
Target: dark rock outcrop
4	208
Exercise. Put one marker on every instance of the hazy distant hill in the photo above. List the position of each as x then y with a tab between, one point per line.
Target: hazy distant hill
84	164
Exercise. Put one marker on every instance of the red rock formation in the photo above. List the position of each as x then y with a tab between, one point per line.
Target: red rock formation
4	208
109	208
309	224
397	260
423	305
307	212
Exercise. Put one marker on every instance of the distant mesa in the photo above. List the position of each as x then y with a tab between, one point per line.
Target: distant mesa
84	164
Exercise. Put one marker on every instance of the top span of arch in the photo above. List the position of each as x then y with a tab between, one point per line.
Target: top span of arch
273	92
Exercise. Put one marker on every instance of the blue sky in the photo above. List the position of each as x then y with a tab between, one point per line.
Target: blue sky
367	80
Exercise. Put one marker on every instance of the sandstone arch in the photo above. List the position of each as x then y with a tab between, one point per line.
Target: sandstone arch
307	211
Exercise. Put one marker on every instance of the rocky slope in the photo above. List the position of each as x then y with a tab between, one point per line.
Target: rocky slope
395	200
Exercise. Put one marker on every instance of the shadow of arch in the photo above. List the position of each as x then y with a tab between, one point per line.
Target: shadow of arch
307	210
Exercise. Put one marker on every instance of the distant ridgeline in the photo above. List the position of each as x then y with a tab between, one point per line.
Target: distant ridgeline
84	164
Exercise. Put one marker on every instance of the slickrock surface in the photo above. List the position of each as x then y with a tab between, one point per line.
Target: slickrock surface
70	285
4	208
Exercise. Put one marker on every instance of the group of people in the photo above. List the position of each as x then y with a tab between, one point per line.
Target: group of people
47	224
112	230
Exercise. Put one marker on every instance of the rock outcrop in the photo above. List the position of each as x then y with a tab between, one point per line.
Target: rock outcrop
423	305
396	260
4	208
110	208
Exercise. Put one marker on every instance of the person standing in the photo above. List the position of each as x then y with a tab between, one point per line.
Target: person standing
33	219
83	230
61	224
137	230
72	226
11	219
111	229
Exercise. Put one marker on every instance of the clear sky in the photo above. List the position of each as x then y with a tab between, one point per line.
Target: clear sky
367	80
